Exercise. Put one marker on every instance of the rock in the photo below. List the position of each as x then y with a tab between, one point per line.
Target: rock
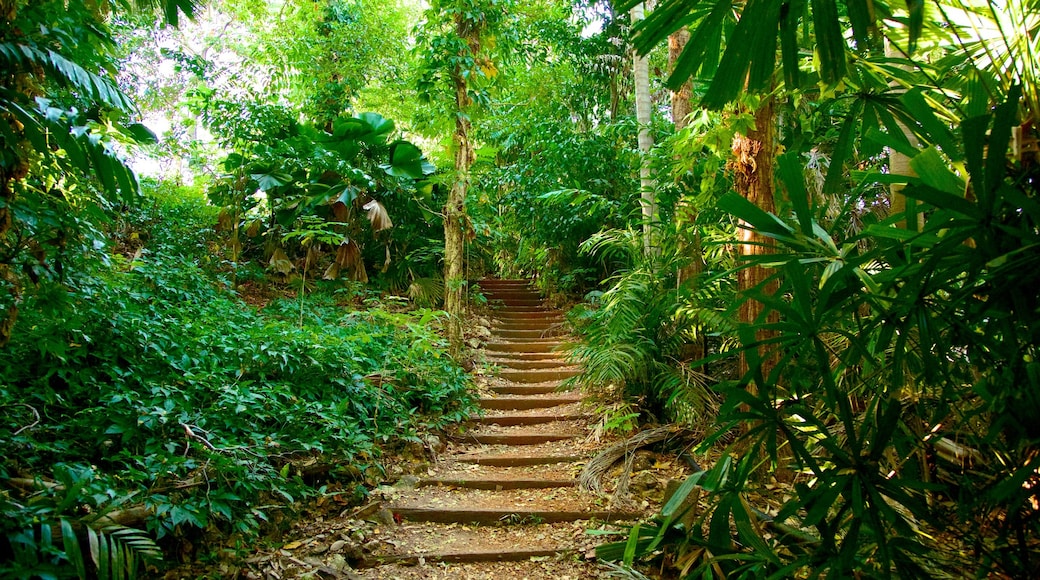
407	482
385	517
337	562
644	460
420	467
644	482
434	443
473	343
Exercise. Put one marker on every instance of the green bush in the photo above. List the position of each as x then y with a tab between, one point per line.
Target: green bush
163	386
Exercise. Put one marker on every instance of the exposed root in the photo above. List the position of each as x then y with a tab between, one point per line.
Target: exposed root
591	478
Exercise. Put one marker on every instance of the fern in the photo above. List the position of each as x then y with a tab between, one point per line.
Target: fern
112	553
636	337
426	292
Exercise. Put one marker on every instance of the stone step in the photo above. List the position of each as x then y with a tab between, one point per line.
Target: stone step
504	281
532	308
487	516
518	403
525	356
544	326
538	375
496	483
525	389
513	419
515	438
499	301
525	346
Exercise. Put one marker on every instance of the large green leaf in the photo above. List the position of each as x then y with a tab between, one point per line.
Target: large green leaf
406	160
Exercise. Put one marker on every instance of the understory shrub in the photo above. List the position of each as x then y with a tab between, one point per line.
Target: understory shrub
162	390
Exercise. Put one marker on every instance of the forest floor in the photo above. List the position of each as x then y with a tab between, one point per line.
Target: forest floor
498	500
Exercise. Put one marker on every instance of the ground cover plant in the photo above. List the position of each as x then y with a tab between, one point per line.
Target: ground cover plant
146	387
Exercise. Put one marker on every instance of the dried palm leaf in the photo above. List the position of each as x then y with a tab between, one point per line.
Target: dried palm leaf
280	262
378	216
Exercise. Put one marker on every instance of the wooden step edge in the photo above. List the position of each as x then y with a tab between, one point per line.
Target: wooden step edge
521	403
497	484
528	389
513	420
516	555
517	460
508	516
529	376
515	438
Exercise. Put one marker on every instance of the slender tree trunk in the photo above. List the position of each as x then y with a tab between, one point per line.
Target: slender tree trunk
753	160
899	164
681	107
455	217
641	80
685	212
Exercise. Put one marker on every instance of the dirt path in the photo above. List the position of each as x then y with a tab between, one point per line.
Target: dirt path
502	501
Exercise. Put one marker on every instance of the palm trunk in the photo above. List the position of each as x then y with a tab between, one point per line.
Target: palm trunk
641	80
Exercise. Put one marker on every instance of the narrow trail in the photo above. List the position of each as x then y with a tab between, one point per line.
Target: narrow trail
502	502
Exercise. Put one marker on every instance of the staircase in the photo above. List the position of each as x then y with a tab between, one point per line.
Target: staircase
503	501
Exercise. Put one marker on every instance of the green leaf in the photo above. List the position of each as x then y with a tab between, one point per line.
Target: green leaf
630	547
73	552
934	171
743	209
406	160
141	134
843	150
935	130
789	169
830	42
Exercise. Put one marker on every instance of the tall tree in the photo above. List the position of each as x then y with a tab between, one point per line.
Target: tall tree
458	36
641	81
682	96
753	162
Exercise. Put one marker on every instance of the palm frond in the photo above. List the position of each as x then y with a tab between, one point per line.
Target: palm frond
29	59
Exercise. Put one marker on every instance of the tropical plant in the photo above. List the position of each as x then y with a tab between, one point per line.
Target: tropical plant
62	120
902	380
637	335
330	176
193	406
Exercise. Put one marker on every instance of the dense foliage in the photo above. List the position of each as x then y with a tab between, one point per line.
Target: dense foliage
838	287
144	383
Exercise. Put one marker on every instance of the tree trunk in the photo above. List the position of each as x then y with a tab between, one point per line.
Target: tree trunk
681	107
455	218
899	164
753	161
641	80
